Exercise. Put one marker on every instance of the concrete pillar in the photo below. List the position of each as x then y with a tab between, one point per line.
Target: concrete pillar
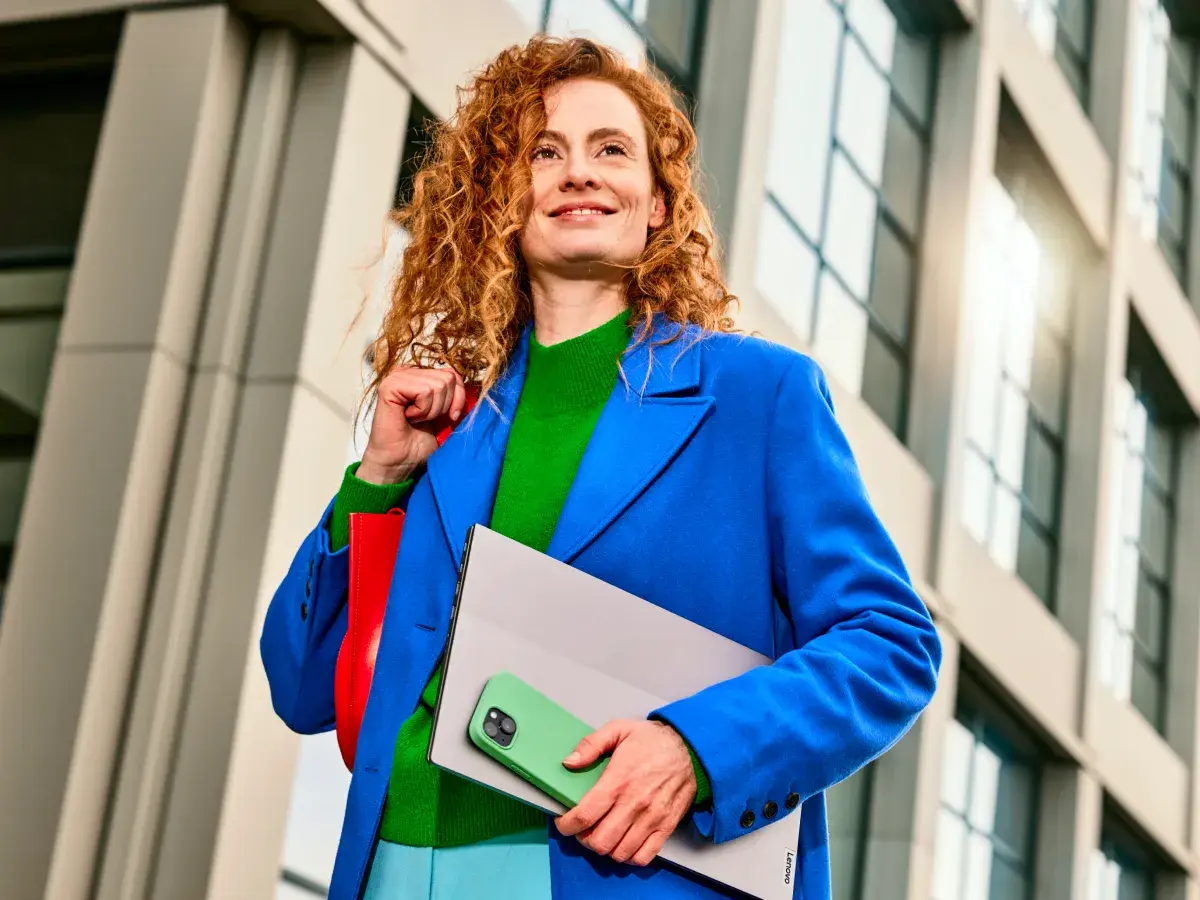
1068	831
210	414
101	478
725	104
906	795
227	801
964	144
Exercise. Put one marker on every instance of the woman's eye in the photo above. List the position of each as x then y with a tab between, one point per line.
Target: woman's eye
613	147
543	153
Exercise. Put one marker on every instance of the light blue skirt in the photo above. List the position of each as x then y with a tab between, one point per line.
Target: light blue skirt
512	867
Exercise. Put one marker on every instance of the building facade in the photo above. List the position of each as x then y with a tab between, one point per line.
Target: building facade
977	215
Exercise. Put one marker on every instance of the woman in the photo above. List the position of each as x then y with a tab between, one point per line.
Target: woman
561	260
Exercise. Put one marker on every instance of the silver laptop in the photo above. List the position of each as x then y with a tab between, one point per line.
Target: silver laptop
602	654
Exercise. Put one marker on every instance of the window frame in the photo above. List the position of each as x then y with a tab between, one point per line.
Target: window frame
685	79
899	347
991	726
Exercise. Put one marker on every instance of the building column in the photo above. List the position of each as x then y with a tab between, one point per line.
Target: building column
1068	832
725	105
227	800
210	413
964	143
101	476
901	829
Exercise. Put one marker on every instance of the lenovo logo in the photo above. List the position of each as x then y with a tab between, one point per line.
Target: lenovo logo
789	862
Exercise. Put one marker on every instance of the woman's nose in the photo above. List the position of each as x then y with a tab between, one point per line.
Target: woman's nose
579	173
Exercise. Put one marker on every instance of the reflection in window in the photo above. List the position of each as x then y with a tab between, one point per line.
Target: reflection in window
666	33
988	810
1063	30
1164	123
1016	401
49	128
1121	868
845	183
1131	652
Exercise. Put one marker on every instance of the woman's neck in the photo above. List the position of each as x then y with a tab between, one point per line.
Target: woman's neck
565	308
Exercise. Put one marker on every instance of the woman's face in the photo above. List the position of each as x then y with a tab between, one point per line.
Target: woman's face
593	195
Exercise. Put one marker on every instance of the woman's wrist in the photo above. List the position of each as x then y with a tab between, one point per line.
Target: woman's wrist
375	472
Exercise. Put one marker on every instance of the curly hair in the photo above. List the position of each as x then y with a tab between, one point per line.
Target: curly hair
462	297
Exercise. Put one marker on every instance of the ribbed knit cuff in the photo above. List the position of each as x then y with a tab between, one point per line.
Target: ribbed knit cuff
358	496
703	787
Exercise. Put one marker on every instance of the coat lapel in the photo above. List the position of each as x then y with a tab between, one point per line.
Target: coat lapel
653	411
465	471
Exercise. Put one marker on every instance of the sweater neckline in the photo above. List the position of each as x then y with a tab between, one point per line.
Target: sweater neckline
575	373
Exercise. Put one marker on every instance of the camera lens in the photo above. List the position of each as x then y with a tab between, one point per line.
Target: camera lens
490	729
507	725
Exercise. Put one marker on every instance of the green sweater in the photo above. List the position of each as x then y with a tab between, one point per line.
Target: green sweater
566	387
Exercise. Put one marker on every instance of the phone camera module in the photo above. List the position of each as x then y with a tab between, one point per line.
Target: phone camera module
499	727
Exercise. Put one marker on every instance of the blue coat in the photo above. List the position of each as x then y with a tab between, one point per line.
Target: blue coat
718	485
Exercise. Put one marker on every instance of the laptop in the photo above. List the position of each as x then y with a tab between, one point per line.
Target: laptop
602	654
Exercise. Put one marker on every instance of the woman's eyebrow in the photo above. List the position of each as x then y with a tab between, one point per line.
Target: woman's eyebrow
598	134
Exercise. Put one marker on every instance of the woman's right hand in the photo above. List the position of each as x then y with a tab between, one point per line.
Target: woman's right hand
409	405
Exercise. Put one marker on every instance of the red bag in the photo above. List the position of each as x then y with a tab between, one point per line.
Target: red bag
374	542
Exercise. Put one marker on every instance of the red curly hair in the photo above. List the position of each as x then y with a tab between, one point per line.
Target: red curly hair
462	295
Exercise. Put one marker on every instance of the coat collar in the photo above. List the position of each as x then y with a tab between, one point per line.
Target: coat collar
653	410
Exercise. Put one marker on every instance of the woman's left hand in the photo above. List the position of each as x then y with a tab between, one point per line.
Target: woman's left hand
644	792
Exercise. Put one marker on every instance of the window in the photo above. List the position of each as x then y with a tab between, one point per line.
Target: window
845	183
49	129
314	819
669	34
988	812
1164	124
1122	867
1063	30
1016	400
848	804
1136	619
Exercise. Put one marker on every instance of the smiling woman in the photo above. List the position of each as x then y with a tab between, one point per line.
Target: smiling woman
562	263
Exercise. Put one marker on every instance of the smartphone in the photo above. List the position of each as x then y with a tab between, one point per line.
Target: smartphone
526	731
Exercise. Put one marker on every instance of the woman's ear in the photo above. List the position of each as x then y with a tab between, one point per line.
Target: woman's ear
658	215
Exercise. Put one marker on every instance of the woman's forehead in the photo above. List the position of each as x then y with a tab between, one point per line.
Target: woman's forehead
584	105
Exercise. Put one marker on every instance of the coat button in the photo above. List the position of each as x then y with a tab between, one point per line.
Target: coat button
770	809
303	611
792	801
308	589
747	819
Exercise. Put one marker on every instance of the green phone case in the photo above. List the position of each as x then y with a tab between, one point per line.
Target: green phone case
545	734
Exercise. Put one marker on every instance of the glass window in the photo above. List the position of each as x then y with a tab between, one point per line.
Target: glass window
1137	596
1063	30
1122	869
668	34
1164	122
848	803
1016	397
846	167
985	835
314	818
49	128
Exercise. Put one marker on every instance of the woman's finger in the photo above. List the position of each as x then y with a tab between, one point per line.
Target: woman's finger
458	405
591	809
650	849
611	831
638	832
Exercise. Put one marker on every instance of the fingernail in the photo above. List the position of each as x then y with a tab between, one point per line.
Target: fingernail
454	415
571	759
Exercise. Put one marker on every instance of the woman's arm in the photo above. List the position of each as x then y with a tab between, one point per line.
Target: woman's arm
306	621
868	653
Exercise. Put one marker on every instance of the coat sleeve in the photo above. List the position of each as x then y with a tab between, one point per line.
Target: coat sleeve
867	652
303	631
